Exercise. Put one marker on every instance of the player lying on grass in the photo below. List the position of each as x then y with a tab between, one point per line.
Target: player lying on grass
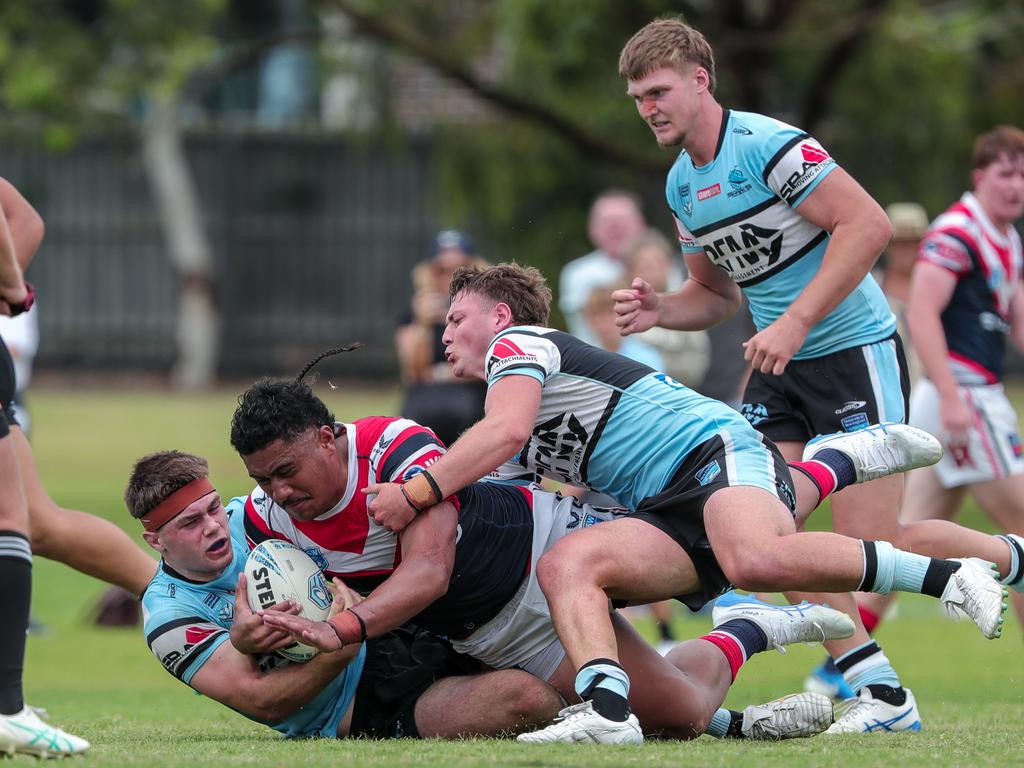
714	501
466	567
402	683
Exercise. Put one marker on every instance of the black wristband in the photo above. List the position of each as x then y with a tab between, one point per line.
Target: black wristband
408	501
438	497
362	625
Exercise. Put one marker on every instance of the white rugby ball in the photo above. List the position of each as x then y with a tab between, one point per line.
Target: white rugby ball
277	570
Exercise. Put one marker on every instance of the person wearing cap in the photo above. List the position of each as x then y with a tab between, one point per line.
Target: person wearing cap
405	683
432	396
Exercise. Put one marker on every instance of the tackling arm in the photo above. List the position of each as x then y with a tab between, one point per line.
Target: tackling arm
509	413
234	679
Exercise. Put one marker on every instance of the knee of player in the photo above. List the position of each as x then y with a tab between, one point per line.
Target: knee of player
565	564
760	570
531	701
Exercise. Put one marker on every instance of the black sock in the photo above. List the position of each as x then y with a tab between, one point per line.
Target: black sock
937	576
665	631
735	729
609	705
16	576
896	697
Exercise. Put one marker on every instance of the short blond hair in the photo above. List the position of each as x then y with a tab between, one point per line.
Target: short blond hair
666	43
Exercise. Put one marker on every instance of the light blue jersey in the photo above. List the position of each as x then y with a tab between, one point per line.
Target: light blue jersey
186	621
740	210
613	424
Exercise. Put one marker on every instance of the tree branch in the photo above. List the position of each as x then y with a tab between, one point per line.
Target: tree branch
438	59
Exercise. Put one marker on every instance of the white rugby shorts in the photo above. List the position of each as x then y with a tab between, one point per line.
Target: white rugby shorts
994	449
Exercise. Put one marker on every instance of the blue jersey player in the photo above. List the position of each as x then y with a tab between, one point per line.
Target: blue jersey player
761	207
713	500
404	683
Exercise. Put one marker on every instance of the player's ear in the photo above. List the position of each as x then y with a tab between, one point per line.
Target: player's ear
326	436
503	316
153	539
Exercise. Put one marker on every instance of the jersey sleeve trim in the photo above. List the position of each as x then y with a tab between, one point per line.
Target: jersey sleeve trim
526	369
180	643
396	462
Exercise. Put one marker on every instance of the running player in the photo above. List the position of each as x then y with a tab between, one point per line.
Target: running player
713	500
965	299
763	208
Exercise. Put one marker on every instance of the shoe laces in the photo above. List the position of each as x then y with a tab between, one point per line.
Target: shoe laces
852	707
572	710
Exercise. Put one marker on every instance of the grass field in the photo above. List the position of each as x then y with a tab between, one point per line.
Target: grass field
105	686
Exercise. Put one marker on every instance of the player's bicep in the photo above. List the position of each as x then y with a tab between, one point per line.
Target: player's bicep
931	289
700	269
836	198
514	397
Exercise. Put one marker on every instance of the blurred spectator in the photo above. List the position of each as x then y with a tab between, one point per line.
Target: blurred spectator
616	220
599	317
433	397
909	222
685	354
21	335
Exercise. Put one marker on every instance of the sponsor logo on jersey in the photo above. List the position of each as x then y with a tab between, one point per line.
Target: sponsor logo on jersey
557	446
739	182
990	321
196	634
755	413
505	353
742	131
379	449
855	422
1015	445
850	405
685	199
317	557
172	590
813	154
708	192
708	472
757	249
815	160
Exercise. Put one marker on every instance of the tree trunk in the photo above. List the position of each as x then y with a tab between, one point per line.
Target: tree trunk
198	327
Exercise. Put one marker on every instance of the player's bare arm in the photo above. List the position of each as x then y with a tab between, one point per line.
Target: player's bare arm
931	289
25	223
234	679
1017	319
428	555
509	412
708	297
859	232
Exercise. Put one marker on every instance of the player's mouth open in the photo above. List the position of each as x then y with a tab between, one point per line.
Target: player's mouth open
217	547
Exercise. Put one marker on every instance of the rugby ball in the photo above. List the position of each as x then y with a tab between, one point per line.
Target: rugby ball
277	570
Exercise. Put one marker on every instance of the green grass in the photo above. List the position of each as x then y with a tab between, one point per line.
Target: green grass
104	685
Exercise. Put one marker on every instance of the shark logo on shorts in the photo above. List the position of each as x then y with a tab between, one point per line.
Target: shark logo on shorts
755	413
708	472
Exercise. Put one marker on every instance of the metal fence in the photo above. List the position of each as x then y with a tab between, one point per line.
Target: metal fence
314	238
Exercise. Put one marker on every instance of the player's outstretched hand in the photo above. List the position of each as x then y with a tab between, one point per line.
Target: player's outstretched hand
318	634
249	632
770	350
389	508
636	307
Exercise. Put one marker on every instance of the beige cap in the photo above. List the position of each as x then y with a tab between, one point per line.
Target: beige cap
909	221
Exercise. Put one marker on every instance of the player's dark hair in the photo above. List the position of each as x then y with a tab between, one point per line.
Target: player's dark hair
157	475
667	42
280	409
524	289
1002	140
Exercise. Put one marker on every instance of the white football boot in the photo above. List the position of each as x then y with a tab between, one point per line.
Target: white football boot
784	624
866	714
791	717
974	592
880	450
580	724
26	733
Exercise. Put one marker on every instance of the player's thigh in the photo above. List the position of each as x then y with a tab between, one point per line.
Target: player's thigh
13	506
1003	501
630	559
924	498
744	522
869	511
44	515
486	704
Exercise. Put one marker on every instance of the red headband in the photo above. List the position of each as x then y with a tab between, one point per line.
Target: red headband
176	503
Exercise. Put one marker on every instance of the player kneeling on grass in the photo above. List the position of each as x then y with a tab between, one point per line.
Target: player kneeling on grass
403	683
